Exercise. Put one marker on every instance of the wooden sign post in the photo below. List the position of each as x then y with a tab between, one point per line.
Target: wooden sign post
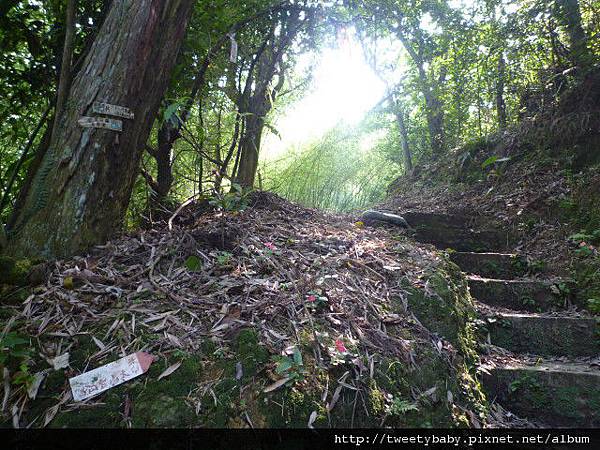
101	122
112	110
104	122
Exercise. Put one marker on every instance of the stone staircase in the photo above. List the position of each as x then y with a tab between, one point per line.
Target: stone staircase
543	361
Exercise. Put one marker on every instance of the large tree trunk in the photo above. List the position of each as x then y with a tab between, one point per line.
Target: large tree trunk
569	15
249	151
81	190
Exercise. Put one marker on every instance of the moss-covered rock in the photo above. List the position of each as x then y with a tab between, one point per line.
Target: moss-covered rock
234	373
447	309
14	271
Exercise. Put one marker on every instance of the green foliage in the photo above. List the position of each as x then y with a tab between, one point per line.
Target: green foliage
170	113
14	271
593	305
346	169
584	237
193	263
562	290
291	367
235	200
315	301
493	160
535	266
583	240
15	354
22	377
527	301
224	258
13	346
399	407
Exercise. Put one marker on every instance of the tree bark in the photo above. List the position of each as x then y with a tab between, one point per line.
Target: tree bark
163	155
65	66
249	151
569	15
406	153
500	104
82	188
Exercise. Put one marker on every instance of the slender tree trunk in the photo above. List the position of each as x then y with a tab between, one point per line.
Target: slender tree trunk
163	155
406	153
82	188
433	108
435	121
164	163
500	104
65	67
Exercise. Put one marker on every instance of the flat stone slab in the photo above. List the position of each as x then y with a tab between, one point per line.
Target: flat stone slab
436	219
503	266
545	335
519	295
558	394
454	232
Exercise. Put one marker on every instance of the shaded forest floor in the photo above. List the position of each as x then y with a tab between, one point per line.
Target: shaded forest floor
274	316
281	315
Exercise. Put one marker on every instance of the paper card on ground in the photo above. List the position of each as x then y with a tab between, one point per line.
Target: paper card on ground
103	378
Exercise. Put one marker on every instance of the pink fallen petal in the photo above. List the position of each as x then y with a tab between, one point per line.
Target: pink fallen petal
311	298
340	347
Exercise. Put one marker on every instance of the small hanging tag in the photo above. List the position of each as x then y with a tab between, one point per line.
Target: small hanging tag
233	53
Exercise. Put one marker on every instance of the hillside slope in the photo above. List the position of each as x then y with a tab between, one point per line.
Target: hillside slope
536	285
275	316
540	180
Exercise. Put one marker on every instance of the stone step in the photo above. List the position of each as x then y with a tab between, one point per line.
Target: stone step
439	220
545	335
454	232
556	393
491	265
519	295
